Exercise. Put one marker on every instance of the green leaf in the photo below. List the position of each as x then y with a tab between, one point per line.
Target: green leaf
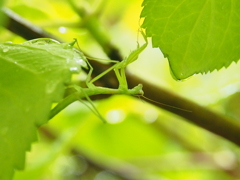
195	36
2	16
32	76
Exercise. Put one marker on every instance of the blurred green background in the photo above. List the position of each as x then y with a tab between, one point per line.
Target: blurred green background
140	142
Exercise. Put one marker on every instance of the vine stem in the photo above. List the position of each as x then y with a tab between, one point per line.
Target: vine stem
77	95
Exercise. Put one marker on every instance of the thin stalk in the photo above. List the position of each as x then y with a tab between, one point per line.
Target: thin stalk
86	92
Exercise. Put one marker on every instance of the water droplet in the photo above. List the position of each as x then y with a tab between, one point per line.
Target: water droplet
5	49
81	62
80	59
74	69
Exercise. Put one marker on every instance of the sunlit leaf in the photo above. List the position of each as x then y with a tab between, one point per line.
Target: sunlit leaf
32	76
195	36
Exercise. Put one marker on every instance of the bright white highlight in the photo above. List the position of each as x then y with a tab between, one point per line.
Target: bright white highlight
74	69
115	116
62	29
150	115
226	159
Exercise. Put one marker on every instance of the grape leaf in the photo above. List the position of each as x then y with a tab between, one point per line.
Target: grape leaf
32	76
195	36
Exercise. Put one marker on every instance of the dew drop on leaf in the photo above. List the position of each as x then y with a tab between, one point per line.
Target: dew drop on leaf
81	62
5	50
74	69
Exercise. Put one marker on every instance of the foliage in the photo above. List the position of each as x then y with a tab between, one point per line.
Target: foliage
139	141
195	36
38	72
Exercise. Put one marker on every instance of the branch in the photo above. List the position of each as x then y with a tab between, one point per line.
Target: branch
198	115
201	116
22	27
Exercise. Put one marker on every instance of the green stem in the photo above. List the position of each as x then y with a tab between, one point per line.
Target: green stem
137	90
64	103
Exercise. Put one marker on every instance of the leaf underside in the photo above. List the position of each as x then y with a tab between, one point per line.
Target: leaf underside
195	36
32	76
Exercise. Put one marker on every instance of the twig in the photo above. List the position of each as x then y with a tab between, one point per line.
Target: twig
199	115
22	27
